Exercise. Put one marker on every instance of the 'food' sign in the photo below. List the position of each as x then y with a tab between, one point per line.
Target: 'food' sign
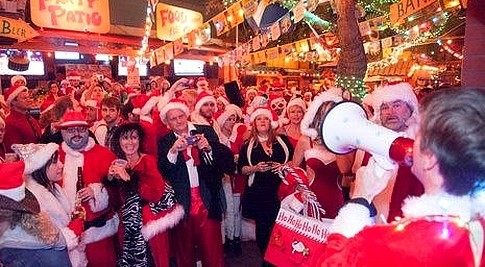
174	22
75	15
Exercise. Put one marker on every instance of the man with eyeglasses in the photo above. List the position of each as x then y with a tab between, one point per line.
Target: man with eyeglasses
396	108
84	159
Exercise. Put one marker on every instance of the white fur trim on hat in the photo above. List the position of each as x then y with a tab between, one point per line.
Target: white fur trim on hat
297	102
91	103
389	93
230	109
12	95
312	112
35	156
16	78
258	101
173	105
250	90
223	100
203	100
265	112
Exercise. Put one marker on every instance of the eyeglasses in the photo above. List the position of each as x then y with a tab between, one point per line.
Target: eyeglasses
74	130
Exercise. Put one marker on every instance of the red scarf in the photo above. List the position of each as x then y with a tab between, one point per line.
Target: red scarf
195	155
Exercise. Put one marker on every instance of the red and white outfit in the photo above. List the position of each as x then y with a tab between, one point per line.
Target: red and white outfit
154	191
437	230
94	161
233	186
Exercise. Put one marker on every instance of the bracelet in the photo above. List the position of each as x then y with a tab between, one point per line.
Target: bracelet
362	201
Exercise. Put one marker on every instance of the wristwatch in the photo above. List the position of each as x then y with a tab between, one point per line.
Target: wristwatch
362	201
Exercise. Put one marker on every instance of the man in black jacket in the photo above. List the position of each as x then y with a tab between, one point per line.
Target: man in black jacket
194	161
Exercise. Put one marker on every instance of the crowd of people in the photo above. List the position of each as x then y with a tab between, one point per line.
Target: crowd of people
113	176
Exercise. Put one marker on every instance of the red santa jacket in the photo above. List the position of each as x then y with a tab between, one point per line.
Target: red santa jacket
438	230
20	129
95	161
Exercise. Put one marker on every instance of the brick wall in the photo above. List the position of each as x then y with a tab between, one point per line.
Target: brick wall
473	71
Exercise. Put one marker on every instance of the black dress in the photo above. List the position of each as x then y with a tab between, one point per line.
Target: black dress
260	200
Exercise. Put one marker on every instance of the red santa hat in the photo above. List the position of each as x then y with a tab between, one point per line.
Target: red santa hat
175	103
231	109
276	100
270	114
35	156
74	75
63	82
17	78
138	102
13	194
393	92
13	92
202	83
297	102
202	98
72	119
330	95
251	90
224	100
258	101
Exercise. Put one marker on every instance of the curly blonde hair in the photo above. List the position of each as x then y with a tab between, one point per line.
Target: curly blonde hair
38	225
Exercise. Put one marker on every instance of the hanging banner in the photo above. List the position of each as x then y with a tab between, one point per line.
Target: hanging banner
299	11
405	8
275	31
174	22
83	16
178	47
168	51
16	29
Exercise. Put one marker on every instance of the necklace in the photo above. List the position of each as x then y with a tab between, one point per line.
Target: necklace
268	149
262	139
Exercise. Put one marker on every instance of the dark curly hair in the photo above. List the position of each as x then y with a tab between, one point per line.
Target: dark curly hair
126	129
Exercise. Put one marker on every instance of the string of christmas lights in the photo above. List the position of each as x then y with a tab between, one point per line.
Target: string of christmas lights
449	50
148	27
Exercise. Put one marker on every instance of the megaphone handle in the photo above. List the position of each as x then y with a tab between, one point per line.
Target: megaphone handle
383	164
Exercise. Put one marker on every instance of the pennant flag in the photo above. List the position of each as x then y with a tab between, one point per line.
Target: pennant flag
168	51
160	56
220	24
178	47
153	60
191	38
256	43
264	39
386	42
364	28
272	53
286	49
275	31
204	33
311	5
298	11
249	7
285	23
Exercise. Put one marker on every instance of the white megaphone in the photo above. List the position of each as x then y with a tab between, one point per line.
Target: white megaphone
346	128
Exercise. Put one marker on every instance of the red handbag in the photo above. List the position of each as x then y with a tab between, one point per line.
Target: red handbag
298	238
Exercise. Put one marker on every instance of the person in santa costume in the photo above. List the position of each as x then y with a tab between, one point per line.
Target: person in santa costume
191	157
444	226
323	167
149	206
27	236
258	159
86	165
396	108
21	128
204	110
233	135
43	170
18	80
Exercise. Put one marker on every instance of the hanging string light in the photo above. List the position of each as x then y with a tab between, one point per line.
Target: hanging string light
148	27
449	50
